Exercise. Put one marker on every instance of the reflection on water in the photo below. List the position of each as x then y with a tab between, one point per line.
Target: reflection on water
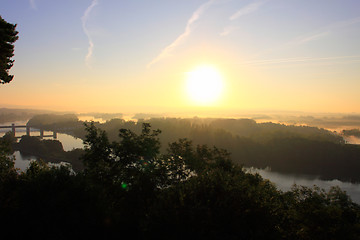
69	143
22	161
352	139
284	182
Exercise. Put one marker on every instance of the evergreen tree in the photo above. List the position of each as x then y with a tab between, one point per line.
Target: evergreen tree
8	36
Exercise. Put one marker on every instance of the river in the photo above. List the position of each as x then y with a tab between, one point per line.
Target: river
283	182
22	161
69	143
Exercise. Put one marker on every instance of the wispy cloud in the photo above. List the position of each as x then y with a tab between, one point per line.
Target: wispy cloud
310	38
325	31
227	30
345	23
84	20
33	4
252	7
307	38
182	37
354	58
248	9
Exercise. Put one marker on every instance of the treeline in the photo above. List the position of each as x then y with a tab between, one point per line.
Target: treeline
12	115
103	116
200	129
331	121
173	128
286	149
128	188
351	132
55	121
61	123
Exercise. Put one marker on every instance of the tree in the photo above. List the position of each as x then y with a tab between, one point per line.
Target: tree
8	36
133	161
7	163
313	213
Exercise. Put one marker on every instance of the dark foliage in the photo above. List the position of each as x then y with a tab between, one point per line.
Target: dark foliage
8	36
128	188
351	132
56	122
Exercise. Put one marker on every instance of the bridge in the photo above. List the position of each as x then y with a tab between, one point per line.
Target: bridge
28	131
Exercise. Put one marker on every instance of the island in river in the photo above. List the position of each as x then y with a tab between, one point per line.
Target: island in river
47	150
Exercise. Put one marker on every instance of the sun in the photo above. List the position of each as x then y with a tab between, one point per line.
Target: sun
204	85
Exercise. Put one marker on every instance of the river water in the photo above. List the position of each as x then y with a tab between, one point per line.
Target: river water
22	161
69	143
283	182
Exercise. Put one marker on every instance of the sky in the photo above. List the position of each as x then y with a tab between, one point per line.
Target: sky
136	55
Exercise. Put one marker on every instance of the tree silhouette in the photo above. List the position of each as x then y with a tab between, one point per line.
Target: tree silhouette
129	186
8	36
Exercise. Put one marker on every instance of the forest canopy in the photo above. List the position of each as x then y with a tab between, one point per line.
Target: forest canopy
284	148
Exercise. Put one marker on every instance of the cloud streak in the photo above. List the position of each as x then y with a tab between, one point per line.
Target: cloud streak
227	30
354	58
311	38
84	20
252	7
182	37
328	30
248	9
314	36
345	23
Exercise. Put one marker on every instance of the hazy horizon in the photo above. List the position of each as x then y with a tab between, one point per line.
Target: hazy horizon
181	112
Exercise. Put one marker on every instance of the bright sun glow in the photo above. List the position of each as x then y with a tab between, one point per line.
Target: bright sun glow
204	85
